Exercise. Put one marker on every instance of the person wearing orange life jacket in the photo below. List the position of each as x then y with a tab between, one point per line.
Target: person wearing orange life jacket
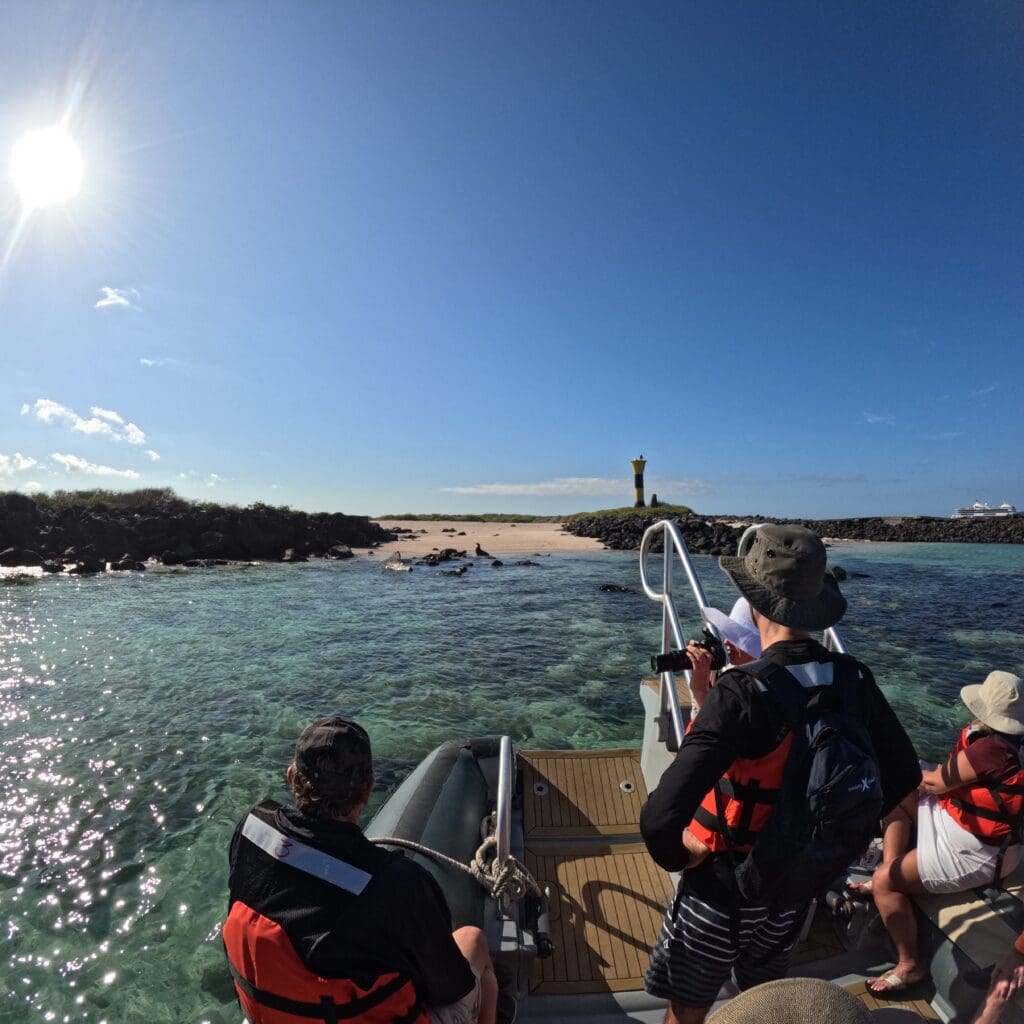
325	925
968	819
737	744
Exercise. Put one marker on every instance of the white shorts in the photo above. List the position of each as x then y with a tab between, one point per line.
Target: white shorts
465	1011
951	859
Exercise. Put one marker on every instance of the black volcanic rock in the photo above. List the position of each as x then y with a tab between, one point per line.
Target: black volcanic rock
167	524
20	520
19	556
707	536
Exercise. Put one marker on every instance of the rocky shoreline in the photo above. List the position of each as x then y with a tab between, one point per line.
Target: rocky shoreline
714	535
84	538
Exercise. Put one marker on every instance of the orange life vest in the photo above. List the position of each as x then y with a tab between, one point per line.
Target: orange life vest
275	987
993	813
746	795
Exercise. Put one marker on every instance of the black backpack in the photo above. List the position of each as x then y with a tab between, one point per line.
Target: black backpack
830	801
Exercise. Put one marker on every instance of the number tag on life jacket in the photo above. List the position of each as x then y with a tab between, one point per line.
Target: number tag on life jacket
305	858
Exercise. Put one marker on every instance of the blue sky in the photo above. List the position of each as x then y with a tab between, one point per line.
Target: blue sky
389	257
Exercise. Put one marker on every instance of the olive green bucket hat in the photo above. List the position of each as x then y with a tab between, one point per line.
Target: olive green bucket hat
783	576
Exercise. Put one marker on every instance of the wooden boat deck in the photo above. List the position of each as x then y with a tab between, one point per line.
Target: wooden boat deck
581	810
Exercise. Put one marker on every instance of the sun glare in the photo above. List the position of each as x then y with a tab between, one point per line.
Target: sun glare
46	166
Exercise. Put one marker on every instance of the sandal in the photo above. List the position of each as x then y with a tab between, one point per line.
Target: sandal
895	984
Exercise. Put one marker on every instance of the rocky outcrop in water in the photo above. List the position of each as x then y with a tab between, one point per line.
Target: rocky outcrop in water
715	536
624	533
178	532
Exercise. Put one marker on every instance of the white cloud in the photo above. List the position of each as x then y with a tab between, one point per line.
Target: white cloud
76	464
16	463
48	411
582	485
877	417
103	422
168	361
25	408
30	487
213	479
114	297
981	392
106	414
153	455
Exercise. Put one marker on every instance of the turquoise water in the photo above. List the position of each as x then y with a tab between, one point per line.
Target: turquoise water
141	714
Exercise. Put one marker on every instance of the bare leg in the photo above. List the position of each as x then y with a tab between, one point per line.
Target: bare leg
897	827
889	884
473	945
678	1014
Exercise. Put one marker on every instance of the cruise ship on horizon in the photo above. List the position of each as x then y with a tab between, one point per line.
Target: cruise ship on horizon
982	510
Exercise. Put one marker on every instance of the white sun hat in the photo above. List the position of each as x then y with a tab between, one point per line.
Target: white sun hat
737	627
998	702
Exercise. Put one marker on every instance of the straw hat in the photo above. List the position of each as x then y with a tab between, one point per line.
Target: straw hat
793	1001
998	702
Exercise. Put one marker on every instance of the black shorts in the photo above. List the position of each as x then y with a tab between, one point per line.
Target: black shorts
701	944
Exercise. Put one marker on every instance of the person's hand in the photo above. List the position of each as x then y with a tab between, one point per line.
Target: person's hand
1008	976
736	656
695	848
700	671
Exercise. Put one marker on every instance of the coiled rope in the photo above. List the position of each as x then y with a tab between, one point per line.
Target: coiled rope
510	879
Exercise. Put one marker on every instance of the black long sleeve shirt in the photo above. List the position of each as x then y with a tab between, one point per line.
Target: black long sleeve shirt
401	922
738	720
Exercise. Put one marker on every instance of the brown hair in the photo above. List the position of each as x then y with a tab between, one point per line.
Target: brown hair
338	799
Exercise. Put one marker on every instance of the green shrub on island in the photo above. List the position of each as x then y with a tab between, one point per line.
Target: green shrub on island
482	517
659	511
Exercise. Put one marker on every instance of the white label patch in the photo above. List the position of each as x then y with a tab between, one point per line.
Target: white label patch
305	858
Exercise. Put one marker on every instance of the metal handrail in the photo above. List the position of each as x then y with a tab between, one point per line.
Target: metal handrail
503	806
671	627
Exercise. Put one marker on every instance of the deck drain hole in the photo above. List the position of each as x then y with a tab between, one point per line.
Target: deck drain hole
540	788
626	786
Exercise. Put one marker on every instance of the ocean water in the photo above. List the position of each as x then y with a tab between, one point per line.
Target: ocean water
142	713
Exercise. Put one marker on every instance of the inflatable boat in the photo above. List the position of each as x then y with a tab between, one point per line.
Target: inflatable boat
565	822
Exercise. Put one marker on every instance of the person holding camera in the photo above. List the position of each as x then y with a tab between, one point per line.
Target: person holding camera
713	800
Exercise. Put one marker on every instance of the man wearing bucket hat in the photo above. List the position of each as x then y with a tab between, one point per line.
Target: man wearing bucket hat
968	816
733	757
323	924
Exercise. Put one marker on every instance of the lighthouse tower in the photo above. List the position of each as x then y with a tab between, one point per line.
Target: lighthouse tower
638	480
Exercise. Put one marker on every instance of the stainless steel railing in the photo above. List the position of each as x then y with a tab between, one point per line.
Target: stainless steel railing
671	628
503	808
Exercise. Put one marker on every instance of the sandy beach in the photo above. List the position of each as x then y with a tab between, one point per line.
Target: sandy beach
498	539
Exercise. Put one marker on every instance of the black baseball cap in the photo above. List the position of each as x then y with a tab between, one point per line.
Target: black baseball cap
332	746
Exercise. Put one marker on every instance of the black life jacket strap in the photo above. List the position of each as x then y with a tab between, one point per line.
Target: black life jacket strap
1001	816
751	792
326	1009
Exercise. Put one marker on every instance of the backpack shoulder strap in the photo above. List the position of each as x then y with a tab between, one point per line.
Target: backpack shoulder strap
789	695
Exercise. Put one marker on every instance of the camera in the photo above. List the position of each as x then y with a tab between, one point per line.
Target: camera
678	661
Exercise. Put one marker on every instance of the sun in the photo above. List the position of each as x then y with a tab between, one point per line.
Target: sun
46	166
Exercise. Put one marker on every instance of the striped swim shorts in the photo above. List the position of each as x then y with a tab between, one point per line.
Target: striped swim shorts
700	945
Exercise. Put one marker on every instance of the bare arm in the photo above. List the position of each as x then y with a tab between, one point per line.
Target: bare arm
956	772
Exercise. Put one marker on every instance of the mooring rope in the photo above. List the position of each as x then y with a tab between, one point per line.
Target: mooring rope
510	879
